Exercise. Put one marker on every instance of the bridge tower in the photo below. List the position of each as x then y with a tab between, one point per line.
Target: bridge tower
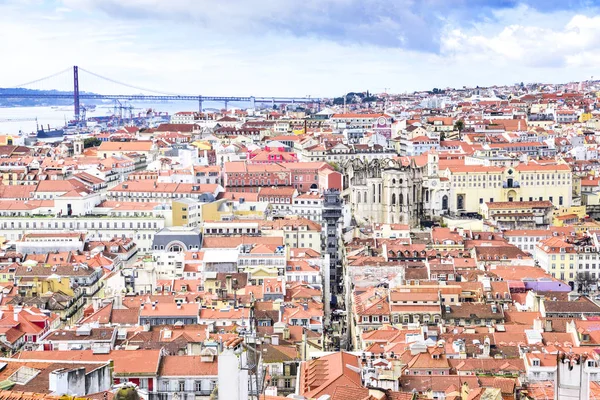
76	91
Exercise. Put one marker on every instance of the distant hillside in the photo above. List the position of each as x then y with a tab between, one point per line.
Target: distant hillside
19	102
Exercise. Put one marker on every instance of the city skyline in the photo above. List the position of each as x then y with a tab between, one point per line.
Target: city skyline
290	48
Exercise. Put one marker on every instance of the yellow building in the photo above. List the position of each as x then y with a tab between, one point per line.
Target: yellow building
186	212
473	185
297	232
558	258
299	131
588	226
12	177
472	224
7	140
585	117
202	145
258	274
223	286
565	216
228	209
7	274
35	278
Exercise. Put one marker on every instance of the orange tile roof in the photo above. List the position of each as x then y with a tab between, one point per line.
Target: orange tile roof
170	309
505	205
187	366
357	115
231	242
323	375
133	146
532	167
479	170
426	361
126	362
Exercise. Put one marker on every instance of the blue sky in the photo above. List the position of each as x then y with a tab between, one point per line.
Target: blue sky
300	47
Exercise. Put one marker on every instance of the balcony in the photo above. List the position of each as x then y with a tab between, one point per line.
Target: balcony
183	393
510	184
332	213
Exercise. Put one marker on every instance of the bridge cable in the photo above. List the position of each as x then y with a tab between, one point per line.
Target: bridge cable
44	78
130	86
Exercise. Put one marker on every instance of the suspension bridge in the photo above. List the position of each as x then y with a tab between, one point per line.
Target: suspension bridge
77	95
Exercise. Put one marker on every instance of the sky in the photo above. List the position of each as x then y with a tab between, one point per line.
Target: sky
321	48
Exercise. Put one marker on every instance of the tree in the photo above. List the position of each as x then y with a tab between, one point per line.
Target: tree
127	393
91	142
335	165
459	126
584	282
338	101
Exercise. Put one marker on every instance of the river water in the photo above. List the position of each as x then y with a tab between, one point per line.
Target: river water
24	118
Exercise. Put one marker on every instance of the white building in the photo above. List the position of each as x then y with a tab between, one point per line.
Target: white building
419	145
197	379
183	117
309	206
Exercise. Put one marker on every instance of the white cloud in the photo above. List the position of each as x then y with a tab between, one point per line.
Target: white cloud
529	45
169	55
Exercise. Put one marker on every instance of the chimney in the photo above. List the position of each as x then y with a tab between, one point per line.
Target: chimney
118	302
537	325
16	311
179	306
154	305
486	347
96	303
228	284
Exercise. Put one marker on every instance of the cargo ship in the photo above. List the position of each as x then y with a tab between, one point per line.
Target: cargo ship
50	133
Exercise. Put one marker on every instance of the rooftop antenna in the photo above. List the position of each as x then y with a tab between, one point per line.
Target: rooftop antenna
385	90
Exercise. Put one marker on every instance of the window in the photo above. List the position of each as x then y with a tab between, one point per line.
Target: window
181	385
198	386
